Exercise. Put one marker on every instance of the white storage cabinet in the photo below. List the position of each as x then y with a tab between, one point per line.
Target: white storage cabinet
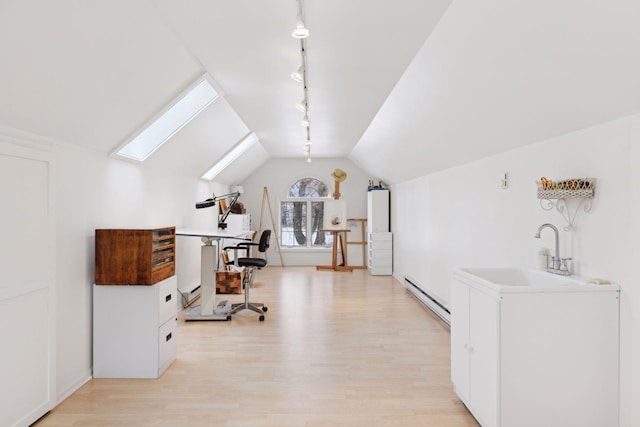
536	359
134	329
377	211
379	237
380	254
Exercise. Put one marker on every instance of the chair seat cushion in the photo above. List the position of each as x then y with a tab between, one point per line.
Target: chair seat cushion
252	262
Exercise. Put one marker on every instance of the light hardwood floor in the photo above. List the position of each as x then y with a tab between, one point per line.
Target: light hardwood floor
336	349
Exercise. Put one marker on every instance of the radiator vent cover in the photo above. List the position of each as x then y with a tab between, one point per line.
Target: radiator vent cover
432	302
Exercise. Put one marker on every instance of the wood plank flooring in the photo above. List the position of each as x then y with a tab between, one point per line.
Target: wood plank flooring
336	349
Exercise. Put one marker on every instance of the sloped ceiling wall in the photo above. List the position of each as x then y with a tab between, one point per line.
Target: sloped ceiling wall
495	75
403	88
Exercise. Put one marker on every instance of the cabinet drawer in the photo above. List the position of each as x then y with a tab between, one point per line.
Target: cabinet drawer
380	262
380	271
380	236
167	344
167	299
383	244
380	253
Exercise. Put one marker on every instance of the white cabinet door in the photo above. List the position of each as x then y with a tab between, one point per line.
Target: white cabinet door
483	356
460	339
27	303
474	351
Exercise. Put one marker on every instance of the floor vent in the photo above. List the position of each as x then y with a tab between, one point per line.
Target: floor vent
433	303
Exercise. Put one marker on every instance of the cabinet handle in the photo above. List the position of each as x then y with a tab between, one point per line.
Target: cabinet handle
169	336
167	298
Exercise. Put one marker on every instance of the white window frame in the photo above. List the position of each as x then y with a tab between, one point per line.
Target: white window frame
308	200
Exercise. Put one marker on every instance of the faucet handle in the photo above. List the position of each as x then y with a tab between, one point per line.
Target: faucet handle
563	264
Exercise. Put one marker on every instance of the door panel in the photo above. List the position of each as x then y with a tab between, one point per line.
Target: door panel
27	321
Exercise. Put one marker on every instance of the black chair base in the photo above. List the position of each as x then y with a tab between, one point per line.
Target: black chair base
258	307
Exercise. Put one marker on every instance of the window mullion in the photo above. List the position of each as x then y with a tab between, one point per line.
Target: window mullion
309	223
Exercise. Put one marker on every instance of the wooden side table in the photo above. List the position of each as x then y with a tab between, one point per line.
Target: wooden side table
339	241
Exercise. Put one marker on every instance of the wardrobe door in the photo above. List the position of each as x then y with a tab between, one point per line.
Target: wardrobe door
27	303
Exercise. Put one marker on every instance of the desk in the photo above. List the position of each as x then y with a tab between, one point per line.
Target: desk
339	241
209	263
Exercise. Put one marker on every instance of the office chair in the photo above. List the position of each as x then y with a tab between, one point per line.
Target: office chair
251	265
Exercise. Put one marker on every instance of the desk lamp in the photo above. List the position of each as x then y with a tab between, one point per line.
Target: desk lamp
233	198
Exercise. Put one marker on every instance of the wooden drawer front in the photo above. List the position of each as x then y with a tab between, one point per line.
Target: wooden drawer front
167	344
167	299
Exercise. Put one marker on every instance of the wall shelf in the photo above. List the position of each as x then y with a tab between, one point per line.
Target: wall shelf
567	196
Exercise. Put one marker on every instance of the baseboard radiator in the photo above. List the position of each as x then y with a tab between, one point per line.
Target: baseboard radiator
188	297
432	302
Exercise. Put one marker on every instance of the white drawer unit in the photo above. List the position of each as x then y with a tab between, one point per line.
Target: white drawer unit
134	329
380	253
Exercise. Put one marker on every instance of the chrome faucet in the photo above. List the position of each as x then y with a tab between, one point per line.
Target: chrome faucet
558	265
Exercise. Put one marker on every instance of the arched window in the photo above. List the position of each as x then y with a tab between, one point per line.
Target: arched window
302	214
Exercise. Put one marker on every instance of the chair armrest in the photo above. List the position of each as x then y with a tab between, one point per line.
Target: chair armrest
244	246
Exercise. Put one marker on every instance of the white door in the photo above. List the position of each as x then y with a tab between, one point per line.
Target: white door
27	303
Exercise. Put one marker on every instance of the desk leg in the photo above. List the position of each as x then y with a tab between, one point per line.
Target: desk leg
208	263
208	267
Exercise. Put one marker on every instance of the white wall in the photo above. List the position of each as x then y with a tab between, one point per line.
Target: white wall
461	218
279	174
97	192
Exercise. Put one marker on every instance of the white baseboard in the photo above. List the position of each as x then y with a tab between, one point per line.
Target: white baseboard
73	388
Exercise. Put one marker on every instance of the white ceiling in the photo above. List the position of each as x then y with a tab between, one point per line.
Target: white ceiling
404	88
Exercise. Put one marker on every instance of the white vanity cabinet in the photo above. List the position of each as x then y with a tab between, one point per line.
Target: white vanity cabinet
134	329
536	359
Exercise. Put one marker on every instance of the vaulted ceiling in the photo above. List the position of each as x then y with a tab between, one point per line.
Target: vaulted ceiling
403	88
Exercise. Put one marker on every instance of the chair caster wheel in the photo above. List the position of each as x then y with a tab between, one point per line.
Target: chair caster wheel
265	309
229	317
261	318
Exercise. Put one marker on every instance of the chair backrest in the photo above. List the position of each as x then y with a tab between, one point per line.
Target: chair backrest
263	245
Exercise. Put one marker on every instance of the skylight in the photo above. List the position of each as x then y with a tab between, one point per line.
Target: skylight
170	121
246	143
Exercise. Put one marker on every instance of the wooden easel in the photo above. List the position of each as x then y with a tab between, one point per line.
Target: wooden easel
339	245
363	240
265	196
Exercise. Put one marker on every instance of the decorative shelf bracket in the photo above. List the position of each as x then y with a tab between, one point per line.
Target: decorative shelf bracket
555	195
562	206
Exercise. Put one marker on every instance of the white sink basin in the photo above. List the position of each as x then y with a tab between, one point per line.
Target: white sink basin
522	280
